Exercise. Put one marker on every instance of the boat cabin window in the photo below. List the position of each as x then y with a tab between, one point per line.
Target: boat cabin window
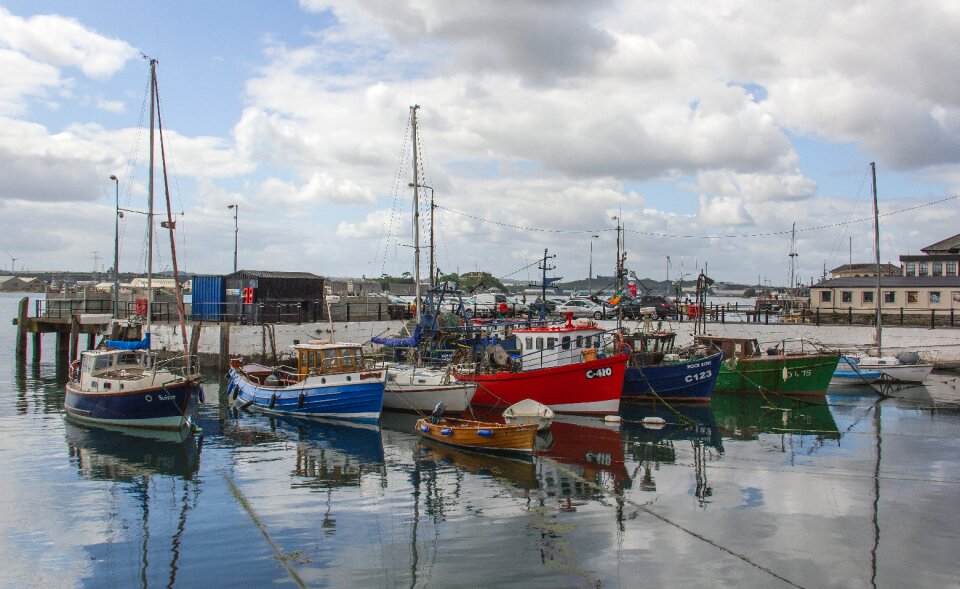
102	362
529	345
579	341
330	360
565	342
551	342
539	343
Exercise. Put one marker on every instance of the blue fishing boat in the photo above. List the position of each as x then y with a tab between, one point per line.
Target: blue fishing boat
329	381
656	372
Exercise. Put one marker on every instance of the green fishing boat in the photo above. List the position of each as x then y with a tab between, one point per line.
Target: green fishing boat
746	369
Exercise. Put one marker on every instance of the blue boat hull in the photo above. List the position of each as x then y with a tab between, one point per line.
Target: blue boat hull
691	381
153	408
358	401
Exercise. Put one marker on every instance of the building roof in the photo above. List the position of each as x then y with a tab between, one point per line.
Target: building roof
950	245
272	274
888	268
891	282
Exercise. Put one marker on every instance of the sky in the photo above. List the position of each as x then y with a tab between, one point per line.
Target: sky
707	129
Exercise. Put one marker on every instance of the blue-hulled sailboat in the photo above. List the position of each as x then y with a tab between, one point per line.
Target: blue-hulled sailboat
123	383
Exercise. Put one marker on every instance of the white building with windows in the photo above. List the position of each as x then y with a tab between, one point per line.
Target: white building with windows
928	282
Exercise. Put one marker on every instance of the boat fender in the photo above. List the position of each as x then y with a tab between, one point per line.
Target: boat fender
485	433
202	400
273	400
236	392
446	431
300	400
424	428
246	404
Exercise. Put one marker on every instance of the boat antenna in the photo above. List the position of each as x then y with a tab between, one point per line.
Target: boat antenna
876	245
543	283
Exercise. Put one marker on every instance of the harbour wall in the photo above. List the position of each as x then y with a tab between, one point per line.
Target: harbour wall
217	342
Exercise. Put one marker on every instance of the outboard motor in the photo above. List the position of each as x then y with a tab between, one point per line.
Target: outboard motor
437	414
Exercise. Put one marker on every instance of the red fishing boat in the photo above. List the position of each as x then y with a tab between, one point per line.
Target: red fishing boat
559	366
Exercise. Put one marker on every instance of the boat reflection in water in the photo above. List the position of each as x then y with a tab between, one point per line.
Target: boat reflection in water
517	471
581	458
128	454
688	430
329	453
158	470
745	417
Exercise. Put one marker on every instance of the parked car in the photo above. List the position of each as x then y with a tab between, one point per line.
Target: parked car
582	308
548	306
660	306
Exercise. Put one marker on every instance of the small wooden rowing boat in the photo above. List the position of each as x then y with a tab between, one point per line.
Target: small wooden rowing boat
484	436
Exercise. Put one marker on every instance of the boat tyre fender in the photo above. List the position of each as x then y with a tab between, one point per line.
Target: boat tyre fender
300	400
75	369
273	400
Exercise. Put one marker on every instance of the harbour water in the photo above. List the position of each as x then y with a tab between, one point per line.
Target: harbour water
853	490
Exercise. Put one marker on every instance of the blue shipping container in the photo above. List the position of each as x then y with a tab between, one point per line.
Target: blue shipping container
207	298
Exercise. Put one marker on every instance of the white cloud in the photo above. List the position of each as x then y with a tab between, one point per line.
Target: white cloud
64	42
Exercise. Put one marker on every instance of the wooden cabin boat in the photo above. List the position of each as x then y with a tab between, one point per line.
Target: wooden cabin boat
657	371
746	369
329	381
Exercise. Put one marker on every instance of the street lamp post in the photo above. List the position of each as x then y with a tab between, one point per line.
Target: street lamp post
236	233
590	277
116	249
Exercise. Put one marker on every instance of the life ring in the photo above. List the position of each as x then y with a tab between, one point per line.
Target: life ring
504	308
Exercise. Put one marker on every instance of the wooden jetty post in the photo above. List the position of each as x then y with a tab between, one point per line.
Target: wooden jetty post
22	329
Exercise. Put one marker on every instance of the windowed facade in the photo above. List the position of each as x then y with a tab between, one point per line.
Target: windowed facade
951	269
923	269
868	296
846	296
913	297
938	268
889	296
956	297
826	296
911	269
934	297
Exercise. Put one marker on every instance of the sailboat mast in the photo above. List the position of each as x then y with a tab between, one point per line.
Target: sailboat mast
876	244
416	216
793	255
153	107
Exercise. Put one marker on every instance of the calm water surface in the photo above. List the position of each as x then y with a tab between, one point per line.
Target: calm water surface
854	490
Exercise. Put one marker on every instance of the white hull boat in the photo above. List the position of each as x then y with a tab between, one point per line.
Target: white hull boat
529	412
895	370
420	388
